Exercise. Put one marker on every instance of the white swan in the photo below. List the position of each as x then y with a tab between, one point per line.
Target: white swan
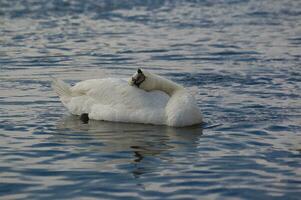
154	100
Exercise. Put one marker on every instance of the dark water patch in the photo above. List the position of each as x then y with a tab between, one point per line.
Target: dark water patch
222	46
43	9
11	127
143	51
119	59
277	128
216	78
46	144
25	103
260	144
295	41
232	53
259	132
261	14
196	44
13	188
217	56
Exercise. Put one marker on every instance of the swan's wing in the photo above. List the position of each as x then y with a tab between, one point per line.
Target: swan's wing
83	87
115	92
114	100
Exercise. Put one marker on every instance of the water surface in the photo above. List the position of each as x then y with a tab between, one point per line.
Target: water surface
241	59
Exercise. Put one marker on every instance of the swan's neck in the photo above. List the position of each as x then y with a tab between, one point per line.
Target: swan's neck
167	86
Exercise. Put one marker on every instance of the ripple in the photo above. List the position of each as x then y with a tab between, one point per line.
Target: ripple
239	58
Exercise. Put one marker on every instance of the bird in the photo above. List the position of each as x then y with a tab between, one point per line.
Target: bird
145	98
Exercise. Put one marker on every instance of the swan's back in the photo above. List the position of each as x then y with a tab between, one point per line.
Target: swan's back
113	99
115	91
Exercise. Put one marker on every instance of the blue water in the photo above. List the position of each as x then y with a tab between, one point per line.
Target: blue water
241	59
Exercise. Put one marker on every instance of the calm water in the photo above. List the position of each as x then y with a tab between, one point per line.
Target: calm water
240	58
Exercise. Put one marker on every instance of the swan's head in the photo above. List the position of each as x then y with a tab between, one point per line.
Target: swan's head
138	78
148	81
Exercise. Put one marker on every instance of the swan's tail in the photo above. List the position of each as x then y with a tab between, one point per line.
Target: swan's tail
61	88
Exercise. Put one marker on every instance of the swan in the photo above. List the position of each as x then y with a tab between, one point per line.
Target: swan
145	98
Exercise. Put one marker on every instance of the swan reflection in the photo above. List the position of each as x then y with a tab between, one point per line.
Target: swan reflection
125	144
